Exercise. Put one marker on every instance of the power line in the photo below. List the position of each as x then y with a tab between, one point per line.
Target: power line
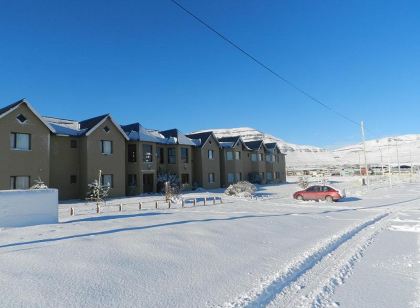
266	67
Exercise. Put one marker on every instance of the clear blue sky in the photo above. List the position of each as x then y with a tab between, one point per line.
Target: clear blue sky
148	61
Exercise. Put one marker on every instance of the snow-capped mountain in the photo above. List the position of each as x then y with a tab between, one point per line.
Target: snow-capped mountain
306	156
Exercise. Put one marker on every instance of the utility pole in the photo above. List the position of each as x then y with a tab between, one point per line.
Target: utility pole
389	166
398	157
382	162
362	126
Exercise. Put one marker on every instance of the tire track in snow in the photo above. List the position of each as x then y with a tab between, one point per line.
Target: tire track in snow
286	280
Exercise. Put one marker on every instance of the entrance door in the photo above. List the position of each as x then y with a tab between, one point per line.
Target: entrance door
148	182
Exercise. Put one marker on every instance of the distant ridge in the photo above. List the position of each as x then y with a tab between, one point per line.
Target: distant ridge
307	156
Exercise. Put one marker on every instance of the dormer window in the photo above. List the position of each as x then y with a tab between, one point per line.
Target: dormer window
21	118
106	129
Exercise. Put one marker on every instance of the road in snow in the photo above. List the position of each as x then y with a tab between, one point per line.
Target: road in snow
270	252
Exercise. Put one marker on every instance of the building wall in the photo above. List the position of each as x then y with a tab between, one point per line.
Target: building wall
203	165
233	166
33	163
65	162
109	164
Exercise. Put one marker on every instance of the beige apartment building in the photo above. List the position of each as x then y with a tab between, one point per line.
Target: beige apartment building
206	157
25	146
68	155
233	160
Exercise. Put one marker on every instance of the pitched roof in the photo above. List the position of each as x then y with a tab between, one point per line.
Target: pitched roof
136	132
202	137
83	128
254	145
92	122
11	106
177	136
233	139
230	142
5	110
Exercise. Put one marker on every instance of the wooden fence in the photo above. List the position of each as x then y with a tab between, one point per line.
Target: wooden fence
150	204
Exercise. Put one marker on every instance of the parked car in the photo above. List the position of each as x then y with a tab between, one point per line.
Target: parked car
319	192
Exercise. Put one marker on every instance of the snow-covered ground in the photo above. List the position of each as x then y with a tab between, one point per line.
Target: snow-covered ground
270	251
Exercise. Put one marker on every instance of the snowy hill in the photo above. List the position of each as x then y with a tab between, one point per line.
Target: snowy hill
302	156
296	155
408	150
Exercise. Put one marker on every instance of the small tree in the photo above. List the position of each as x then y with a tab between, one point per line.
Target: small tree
303	182
169	184
97	191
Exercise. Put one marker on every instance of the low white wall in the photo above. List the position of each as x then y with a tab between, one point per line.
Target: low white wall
28	207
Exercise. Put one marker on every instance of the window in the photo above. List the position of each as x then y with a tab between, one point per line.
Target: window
107	179
262	175
73	144
238	176
210	154
147	153
185	178
231	178
171	156
132	180
269	176
106	129
106	147
161	157
19	141
184	155
260	157
21	118
237	155
19	182
132	153
254	157
211	177
73	179
229	155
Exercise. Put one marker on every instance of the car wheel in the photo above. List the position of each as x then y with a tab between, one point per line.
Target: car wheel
299	197
329	199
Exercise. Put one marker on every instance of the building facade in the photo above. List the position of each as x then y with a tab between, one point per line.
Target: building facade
69	155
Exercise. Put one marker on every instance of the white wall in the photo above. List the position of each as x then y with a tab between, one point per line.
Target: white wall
28	207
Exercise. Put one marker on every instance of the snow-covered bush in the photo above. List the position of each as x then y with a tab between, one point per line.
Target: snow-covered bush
39	184
241	189
303	182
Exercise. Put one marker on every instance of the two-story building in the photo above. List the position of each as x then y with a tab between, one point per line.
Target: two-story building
25	146
206	158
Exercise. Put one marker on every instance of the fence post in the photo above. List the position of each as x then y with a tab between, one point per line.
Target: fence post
182	203
71	211
97	209
221	201
139	205
205	198
120	207
195	201
214	200
169	204
156	205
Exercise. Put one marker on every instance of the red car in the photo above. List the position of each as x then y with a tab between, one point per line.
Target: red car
319	192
